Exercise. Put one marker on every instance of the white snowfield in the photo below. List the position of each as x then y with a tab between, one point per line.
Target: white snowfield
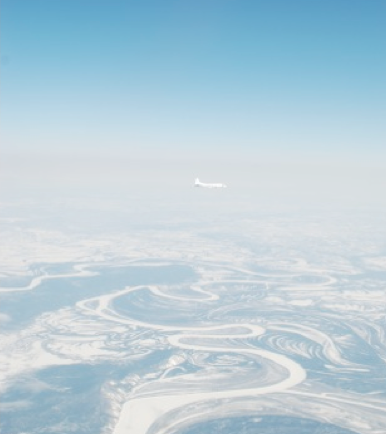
274	332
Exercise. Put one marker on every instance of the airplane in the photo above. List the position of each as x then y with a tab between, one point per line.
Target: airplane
197	183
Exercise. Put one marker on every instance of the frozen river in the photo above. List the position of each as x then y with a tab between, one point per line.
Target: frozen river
276	325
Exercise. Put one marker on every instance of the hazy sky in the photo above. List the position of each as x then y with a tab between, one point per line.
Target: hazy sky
296	80
193	76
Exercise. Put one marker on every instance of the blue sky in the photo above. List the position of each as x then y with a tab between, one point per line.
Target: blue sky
186	77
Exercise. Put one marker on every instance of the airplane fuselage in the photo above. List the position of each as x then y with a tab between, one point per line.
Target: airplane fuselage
197	183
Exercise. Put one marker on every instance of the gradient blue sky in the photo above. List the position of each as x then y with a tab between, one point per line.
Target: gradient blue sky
166	78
